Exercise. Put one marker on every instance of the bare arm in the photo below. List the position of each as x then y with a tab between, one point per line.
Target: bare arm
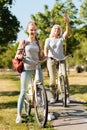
46	51
19	54
41	54
66	33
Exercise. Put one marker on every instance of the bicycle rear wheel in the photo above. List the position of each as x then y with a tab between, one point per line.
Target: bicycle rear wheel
63	90
41	105
27	105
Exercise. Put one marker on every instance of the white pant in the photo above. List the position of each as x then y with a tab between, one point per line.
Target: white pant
53	72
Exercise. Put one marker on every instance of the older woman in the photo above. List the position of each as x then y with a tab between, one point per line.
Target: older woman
54	48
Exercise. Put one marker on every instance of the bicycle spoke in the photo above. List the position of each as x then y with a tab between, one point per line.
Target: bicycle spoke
41	106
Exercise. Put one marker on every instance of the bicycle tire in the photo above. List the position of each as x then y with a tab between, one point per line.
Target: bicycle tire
41	105
63	90
27	106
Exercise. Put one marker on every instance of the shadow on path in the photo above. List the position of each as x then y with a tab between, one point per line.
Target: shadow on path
72	117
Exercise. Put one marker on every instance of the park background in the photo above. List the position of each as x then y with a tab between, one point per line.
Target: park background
14	16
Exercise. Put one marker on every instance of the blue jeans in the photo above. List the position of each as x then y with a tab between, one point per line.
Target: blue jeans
26	77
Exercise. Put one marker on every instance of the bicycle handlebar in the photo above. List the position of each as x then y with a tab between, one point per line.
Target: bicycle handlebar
62	58
38	61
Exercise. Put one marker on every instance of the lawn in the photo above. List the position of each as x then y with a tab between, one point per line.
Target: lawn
78	85
9	92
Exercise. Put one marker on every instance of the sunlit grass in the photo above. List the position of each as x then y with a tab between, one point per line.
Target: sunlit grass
77	84
9	92
81	97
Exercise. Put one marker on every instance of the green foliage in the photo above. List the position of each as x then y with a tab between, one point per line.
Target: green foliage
6	1
78	31
9	25
80	54
83	11
47	19
75	44
6	58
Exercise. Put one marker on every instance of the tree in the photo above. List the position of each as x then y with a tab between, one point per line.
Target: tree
83	11
47	19
6	61
9	25
83	16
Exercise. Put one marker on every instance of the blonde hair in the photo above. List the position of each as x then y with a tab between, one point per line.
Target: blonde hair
32	23
52	30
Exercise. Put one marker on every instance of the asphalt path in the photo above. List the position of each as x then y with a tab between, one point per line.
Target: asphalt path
73	117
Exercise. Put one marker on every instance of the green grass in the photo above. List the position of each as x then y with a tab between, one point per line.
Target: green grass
78	86
79	92
9	92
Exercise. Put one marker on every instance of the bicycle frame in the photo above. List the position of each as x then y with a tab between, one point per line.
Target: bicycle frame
62	80
62	69
40	101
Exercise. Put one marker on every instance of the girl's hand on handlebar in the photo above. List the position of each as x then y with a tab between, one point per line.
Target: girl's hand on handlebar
44	58
19	56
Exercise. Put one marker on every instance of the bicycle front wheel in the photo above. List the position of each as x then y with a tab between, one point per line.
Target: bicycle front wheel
41	105
63	90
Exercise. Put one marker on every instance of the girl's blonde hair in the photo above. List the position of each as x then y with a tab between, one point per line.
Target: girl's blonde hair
31	22
52	30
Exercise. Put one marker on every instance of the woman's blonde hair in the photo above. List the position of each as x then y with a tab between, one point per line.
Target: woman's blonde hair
52	30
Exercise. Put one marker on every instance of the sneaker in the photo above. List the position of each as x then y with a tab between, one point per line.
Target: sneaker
68	100
52	100
18	119
51	116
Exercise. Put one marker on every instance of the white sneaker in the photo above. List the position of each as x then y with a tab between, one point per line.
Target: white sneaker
51	116
52	100
18	119
68	100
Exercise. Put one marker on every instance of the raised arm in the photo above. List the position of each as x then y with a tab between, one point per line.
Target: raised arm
66	33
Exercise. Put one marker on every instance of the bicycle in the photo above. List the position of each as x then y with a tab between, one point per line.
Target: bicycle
37	94
62	81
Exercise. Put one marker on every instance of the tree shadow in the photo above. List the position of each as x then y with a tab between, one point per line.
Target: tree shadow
71	117
9	93
75	89
12	77
74	114
8	105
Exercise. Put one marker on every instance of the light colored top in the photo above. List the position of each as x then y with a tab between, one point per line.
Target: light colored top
55	47
31	52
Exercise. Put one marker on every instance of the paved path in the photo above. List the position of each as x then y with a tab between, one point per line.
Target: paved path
73	117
